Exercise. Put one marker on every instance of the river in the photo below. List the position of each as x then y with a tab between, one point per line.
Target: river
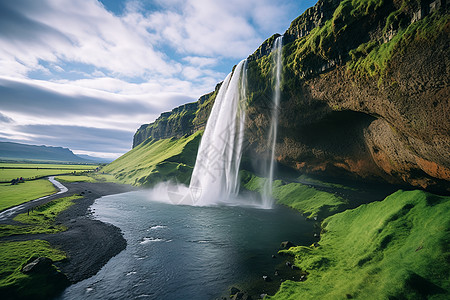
186	252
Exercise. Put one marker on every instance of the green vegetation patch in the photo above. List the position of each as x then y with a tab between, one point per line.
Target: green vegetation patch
16	285
9	171
41	219
12	195
47	166
308	200
75	178
157	160
394	249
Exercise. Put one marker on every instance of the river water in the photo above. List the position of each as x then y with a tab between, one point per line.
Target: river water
186	252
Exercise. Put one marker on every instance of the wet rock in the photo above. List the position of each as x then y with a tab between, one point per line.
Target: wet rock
238	296
234	290
286	245
37	265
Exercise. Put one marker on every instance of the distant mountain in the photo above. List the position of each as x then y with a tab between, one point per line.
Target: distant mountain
96	159
16	151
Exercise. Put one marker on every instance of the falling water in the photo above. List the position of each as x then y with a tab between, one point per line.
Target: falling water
271	141
216	171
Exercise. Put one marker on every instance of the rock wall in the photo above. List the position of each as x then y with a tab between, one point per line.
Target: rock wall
365	94
387	122
183	120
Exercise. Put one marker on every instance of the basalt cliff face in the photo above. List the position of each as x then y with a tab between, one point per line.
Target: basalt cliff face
365	94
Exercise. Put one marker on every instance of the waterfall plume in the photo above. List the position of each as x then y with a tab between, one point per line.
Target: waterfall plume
216	171
267	198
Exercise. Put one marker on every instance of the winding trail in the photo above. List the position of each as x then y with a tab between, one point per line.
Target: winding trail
6	214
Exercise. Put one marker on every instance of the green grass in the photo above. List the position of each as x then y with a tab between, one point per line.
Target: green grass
16	285
75	178
308	200
47	166
41	219
394	249
103	177
14	255
157	160
12	195
9	171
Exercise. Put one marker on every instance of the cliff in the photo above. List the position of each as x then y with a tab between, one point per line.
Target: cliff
181	121
365	94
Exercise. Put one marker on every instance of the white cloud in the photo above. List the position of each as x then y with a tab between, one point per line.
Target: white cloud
82	32
116	71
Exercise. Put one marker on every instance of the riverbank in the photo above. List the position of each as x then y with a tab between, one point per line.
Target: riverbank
88	243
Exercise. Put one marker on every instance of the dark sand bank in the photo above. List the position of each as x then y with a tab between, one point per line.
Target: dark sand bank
89	243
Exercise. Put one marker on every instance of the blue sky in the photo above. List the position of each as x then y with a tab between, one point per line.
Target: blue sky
86	74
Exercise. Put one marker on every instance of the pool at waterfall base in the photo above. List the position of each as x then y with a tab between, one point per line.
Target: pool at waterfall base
188	252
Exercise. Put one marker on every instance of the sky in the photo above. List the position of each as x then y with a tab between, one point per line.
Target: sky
86	74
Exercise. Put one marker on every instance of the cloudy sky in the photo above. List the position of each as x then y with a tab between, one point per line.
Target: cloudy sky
86	74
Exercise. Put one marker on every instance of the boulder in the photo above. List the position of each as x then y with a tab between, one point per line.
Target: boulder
286	245
37	265
238	296
234	290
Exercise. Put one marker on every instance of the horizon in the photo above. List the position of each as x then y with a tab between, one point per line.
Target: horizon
86	75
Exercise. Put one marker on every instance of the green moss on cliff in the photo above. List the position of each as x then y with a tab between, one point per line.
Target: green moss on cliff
373	57
157	160
394	249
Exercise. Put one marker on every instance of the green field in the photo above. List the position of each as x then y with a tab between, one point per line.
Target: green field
47	166
12	195
157	160
41	219
394	249
9	171
75	178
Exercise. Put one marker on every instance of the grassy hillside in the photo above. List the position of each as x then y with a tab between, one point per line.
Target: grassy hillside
394	249
157	160
310	201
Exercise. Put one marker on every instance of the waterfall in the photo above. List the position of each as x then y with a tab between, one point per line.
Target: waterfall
272	138
216	171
